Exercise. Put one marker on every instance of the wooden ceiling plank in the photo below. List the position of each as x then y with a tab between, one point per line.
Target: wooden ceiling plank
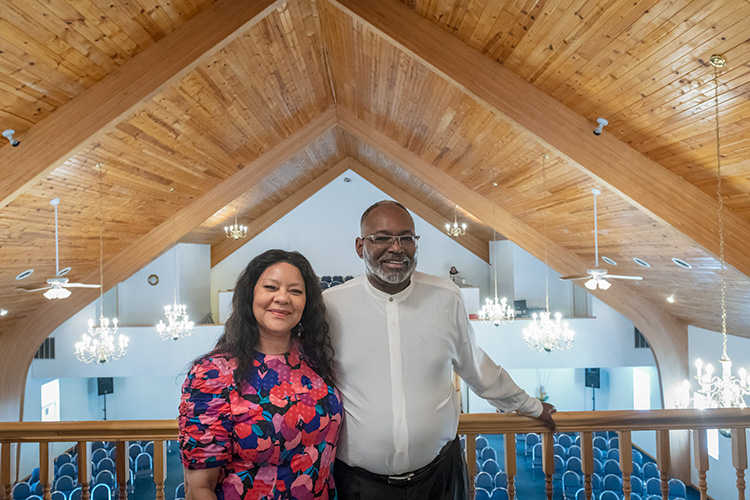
223	249
665	333
21	342
646	184
93	113
472	243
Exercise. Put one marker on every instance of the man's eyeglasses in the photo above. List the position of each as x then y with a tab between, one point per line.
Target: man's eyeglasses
386	240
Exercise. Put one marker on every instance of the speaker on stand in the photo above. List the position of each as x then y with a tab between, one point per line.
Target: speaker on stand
104	386
592	378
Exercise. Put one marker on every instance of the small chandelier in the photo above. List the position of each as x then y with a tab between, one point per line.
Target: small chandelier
178	324
98	346
235	230
544	333
497	313
726	391
455	230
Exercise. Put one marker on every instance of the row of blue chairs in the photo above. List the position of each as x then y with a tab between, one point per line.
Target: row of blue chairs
572	482
494	494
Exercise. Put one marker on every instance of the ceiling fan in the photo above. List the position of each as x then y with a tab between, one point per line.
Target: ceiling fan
597	277
57	287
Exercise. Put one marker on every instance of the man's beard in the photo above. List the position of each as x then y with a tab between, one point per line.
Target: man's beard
394	276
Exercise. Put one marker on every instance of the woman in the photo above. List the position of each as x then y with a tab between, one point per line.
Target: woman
259	416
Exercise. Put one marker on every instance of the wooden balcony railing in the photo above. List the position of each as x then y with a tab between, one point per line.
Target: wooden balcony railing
624	422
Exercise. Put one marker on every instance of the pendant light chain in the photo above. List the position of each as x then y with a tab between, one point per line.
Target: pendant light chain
721	219
544	217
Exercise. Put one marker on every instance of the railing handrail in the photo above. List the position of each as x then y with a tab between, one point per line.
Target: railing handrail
471	423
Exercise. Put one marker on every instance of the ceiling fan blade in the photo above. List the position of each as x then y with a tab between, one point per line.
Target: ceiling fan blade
617	277
578	277
22	289
79	285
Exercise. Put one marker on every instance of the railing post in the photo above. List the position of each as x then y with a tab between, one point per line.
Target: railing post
548	461
5	470
663	461
626	461
587	461
160	468
84	464
122	467
471	460
700	453
509	442
739	459
46	467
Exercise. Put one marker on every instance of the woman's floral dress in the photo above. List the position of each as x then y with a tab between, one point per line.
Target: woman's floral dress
273	438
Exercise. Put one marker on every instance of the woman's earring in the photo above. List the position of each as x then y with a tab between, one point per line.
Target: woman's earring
300	329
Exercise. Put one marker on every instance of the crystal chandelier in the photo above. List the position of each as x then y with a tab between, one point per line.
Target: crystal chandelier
178	324
235	230
455	230
544	333
98	346
497	313
726	391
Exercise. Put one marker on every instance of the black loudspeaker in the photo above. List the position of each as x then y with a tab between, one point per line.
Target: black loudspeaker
105	385
592	378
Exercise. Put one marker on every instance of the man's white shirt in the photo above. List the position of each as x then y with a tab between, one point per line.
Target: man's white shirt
394	356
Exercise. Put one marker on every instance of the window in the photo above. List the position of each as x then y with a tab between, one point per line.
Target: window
641	389
51	401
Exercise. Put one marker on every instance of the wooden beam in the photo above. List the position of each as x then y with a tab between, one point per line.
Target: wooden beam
21	342
77	123
645	183
223	249
475	245
666	334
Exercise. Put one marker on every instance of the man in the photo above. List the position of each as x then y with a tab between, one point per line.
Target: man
397	336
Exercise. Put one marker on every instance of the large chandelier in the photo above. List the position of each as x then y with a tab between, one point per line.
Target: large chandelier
497	313
726	391
178	324
455	230
235	230
98	346
544	333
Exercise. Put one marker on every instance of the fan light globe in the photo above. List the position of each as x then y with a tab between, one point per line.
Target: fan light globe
57	293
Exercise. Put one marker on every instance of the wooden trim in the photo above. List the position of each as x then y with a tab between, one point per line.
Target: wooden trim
652	188
23	340
475	245
77	123
227	246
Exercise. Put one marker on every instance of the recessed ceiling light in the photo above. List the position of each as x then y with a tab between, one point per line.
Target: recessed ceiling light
495	184
25	274
609	261
670	299
641	262
3	312
681	263
63	272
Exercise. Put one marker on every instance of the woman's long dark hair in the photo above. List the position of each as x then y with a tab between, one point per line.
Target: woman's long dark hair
241	335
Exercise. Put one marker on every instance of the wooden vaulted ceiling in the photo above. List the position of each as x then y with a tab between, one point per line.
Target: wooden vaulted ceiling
198	110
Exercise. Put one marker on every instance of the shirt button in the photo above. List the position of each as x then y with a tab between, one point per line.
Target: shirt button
390	299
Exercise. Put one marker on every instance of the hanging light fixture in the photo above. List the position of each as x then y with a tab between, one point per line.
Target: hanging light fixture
178	324
497	313
235	230
545	333
455	230
98	345
726	391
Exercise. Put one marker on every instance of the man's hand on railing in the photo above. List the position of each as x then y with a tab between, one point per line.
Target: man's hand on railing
546	416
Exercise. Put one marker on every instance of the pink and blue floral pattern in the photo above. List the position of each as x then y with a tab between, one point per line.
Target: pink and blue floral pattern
274	437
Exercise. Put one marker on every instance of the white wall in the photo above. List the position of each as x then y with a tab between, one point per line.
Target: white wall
529	284
707	346
143	304
324	228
